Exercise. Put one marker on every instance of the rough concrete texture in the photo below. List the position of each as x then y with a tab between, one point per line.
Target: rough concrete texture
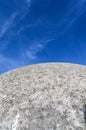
48	96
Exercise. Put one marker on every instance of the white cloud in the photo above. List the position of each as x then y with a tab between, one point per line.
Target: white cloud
13	21
31	55
7	25
36	47
21	14
28	1
33	50
75	10
29	26
25	10
8	63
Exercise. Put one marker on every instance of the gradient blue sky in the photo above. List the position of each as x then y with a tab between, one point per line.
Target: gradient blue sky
37	31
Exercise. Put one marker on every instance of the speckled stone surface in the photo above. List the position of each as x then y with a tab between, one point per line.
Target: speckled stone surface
48	96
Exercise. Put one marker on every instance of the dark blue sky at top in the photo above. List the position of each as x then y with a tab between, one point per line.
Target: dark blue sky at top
37	31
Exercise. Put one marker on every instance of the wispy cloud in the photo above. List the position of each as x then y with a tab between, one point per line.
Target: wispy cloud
28	26
75	10
30	55
35	48
25	10
8	24
12	22
28	1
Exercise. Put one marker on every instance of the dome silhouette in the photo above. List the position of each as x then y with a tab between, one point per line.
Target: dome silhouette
49	96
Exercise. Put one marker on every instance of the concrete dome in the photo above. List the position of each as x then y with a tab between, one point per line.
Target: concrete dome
50	96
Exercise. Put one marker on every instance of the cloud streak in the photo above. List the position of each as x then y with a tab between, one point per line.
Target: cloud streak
25	10
74	11
12	21
37	47
28	2
7	25
30	55
32	25
72	15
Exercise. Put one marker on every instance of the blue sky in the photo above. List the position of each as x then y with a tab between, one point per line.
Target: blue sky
37	31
